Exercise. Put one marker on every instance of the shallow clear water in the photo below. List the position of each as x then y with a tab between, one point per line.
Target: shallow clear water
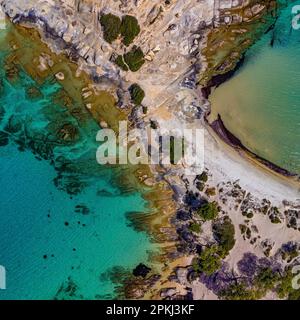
62	216
261	103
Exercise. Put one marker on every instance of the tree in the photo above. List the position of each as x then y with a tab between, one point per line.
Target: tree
111	25
208	211
209	260
238	291
129	29
266	280
224	234
137	94
134	58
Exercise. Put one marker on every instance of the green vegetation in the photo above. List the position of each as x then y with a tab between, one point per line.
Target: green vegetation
285	290
153	124
120	62
290	255
243	228
111	25
249	215
208	211
129	29
209	260
200	185
134	58
238	291
195	227
274	219
176	141
203	176
195	265
266	280
145	110
137	94
210	191
224	234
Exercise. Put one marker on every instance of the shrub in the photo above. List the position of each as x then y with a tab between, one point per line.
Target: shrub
137	94
195	265
243	228
195	227
129	29
111	25
208	211
224	234
210	192
285	289
134	58
200	185
266	279
203	176
209	260
120	62
238	292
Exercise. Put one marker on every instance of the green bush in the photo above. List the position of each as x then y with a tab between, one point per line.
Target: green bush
195	227
285	289
266	280
208	211
120	62
209	260
195	265
238	292
137	94
111	25
129	29
134	58
224	234
203	176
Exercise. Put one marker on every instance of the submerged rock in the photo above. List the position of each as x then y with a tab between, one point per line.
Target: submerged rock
33	92
141	271
3	139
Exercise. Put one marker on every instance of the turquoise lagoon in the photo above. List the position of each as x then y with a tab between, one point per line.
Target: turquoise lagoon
63	217
261	103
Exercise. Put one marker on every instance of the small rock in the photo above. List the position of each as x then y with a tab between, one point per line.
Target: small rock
60	76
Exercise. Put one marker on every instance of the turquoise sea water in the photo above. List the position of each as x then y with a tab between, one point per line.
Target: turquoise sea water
62	216
261	103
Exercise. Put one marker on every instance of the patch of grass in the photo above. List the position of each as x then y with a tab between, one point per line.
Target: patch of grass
208	211
111	25
137	94
134	58
129	29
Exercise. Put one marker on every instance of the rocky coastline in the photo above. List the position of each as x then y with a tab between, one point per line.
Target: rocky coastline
192	232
